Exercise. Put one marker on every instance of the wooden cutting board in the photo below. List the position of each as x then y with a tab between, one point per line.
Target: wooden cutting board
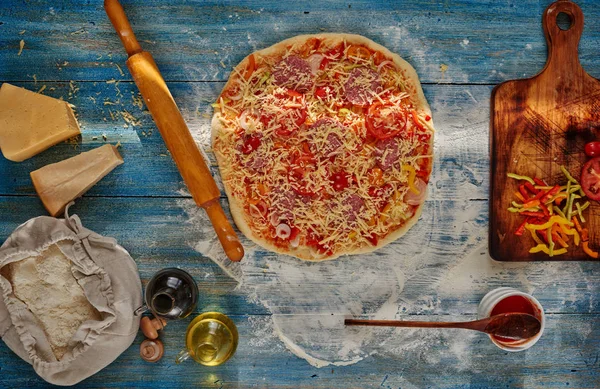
537	125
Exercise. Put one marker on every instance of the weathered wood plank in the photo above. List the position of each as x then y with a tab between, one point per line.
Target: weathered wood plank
262	361
459	112
447	280
140	203
73	40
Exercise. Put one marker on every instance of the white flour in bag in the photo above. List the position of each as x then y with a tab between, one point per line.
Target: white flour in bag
47	286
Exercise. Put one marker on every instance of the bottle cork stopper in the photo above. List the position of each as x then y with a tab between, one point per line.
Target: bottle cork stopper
150	327
152	350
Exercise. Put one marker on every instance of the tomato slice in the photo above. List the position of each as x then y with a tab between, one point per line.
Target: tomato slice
339	181
250	144
385	121
360	52
590	178
322	92
592	149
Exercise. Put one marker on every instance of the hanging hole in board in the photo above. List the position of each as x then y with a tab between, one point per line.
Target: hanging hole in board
564	21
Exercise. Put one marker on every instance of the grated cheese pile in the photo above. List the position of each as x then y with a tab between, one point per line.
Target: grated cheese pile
307	161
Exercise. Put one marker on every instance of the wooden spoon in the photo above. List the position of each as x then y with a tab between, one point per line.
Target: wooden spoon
515	326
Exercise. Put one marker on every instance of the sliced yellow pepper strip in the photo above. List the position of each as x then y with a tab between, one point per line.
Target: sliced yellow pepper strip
536	238
548	224
569	176
550	242
411	178
569	231
518	177
544	248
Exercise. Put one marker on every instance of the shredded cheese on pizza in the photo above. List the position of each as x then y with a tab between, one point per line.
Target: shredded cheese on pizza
324	146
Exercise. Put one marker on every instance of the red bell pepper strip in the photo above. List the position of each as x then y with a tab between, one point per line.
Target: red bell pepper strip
543	235
531	188
550	193
533	214
539	182
521	229
544	209
523	191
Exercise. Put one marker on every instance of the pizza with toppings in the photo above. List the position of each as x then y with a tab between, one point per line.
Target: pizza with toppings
324	144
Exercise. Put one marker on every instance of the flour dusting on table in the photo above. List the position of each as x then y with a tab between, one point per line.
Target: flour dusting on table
440	267
309	301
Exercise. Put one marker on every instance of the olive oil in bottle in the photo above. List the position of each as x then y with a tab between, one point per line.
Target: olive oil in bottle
171	294
211	339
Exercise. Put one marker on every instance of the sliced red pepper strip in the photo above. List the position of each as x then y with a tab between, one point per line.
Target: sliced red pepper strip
539	182
521	229
251	67
550	193
416	120
523	191
543	235
293	93
544	209
530	188
538	214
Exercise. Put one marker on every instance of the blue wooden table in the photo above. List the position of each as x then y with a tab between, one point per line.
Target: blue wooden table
287	311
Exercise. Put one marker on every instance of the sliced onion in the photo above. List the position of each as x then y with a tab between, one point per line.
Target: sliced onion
295	242
412	198
274	219
262	207
315	62
258	210
244	120
283	231
383	64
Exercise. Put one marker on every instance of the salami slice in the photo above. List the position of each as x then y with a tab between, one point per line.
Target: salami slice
294	73
362	85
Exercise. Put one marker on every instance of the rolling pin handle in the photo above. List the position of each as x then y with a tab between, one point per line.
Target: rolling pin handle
117	17
228	238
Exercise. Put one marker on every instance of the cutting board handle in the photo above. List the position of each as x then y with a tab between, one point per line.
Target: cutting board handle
563	54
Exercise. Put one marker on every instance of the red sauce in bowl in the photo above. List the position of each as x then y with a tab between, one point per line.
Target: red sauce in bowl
514	304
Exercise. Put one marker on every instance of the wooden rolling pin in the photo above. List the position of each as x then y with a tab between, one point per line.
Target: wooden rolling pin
174	131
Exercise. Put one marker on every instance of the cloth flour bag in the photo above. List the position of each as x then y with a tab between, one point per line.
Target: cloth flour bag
67	298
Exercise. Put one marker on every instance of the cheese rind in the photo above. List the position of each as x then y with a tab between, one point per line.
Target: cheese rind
30	122
59	183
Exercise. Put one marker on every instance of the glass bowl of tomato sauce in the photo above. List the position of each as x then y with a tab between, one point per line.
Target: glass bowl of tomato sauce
508	300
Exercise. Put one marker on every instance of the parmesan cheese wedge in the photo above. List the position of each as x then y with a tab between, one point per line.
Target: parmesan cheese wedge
59	183
30	122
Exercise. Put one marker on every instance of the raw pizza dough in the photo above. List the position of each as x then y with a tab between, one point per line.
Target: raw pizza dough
325	146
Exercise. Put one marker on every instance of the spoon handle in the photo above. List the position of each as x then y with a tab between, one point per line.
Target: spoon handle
477	325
